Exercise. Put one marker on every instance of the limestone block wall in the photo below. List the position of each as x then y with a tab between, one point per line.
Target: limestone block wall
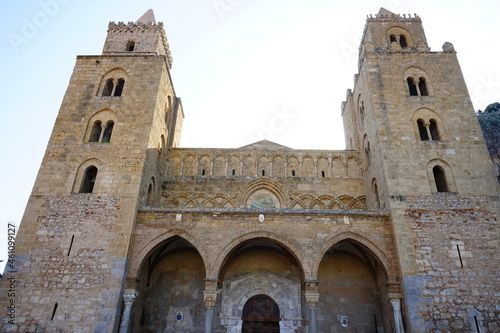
70	261
457	261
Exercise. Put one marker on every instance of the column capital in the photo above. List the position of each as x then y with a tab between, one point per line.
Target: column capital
210	296
312	299
129	296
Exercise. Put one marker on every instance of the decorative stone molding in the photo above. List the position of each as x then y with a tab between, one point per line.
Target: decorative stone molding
285	292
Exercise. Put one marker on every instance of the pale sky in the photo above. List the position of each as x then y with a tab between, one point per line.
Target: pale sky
245	70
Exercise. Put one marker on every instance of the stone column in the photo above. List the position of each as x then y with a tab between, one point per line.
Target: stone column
129	297
312	298
398	318
210	296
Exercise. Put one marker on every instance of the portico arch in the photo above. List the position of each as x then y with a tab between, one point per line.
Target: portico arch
355	279
139	255
170	282
213	271
359	237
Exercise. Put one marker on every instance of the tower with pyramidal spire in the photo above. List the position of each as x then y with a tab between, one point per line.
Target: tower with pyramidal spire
127	232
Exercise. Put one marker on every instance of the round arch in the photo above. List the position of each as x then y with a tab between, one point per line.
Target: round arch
360	238
214	270
139	257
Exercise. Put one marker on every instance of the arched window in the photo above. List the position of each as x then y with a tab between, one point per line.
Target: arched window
402	41
119	87
130	45
440	179
434	130
412	87
108	88
362	113
149	198
89	180
106	136
392	38
422	86
96	132
424	136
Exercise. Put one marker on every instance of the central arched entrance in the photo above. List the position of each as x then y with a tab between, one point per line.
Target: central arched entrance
261	314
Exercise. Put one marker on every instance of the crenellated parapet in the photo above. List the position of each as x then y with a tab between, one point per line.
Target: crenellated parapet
149	38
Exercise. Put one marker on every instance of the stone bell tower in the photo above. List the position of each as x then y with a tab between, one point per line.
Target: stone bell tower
424	159
103	161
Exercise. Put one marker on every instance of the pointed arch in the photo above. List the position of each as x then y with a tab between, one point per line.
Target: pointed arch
361	238
153	242
290	246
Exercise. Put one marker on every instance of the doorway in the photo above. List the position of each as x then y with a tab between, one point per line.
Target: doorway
261	315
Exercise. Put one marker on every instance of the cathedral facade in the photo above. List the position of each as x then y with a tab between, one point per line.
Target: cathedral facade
125	231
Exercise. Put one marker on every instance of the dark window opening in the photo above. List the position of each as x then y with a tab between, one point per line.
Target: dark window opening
106	137
376	195
402	41
130	46
440	179
119	87
203	172
89	180
96	132
108	88
234	172
293	173
412	87
323	174
422	86
434	130
263	172
422	130
393	38
150	195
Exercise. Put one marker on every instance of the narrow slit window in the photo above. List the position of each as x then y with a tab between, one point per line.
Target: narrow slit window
54	312
89	180
203	172
96	132
233	172
402	41
108	88
412	87
460	256
422	130
71	244
422	86
434	130
376	195
150	195
263	172
323	174
293	173
106	136
440	179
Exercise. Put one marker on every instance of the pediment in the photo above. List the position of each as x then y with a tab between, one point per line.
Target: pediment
265	145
